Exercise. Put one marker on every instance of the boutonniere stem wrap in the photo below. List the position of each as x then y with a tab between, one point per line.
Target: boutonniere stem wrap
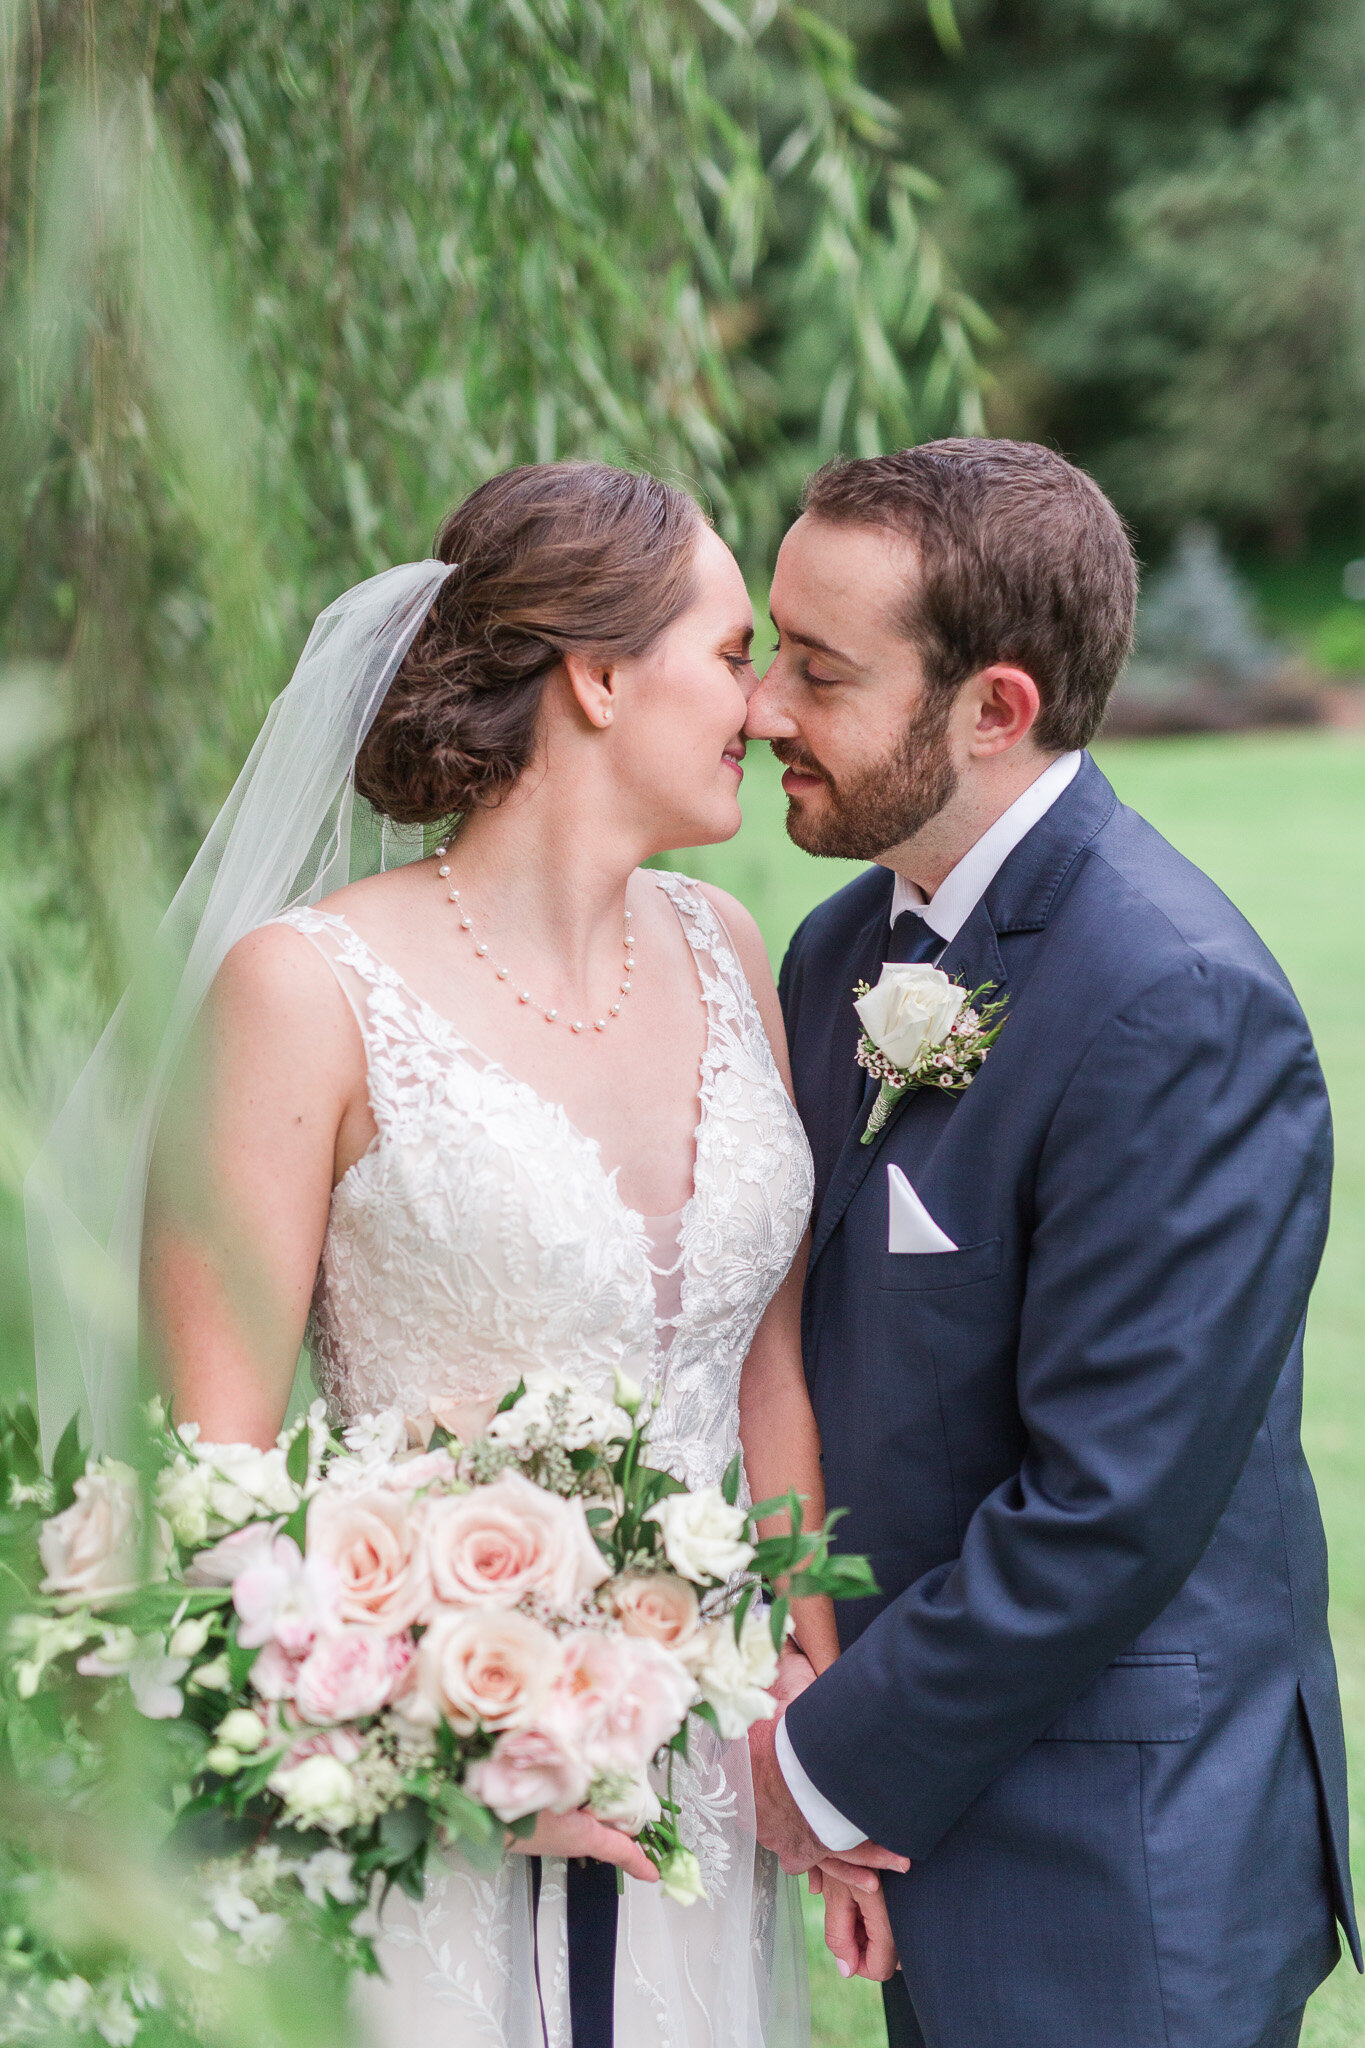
921	1030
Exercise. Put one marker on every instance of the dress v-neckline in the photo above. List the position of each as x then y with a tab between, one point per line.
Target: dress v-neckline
462	1046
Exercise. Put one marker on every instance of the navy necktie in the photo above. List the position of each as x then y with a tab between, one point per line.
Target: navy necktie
912	940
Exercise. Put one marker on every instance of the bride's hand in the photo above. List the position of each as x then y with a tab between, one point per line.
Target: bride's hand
582	1834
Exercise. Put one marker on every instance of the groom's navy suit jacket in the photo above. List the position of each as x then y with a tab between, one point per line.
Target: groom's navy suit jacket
1095	1701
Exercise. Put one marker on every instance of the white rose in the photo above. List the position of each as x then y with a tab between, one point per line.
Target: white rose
320	1792
734	1676
92	1551
703	1535
913	1007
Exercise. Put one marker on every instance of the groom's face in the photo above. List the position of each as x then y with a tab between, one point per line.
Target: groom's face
867	750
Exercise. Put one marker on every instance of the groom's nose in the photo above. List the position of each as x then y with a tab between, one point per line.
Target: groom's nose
768	716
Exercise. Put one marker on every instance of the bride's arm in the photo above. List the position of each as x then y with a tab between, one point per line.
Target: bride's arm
776	1423
241	1183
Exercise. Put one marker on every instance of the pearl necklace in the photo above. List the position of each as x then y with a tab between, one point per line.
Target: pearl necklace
504	974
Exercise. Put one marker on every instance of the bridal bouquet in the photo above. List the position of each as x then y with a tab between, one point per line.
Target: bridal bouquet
368	1644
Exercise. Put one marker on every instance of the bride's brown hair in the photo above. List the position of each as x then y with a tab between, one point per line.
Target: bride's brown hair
552	557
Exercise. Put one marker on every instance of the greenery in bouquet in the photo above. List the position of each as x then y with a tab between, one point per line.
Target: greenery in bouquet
345	1650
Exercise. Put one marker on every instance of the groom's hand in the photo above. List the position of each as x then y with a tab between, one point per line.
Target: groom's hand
783	1828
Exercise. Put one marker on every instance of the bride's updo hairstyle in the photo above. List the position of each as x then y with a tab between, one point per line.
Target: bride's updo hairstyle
553	557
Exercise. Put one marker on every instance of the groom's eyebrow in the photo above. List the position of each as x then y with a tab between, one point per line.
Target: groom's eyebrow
810	640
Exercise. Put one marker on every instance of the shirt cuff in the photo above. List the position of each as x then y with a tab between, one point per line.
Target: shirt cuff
825	1821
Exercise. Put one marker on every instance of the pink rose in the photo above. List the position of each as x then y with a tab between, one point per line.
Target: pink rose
484	1668
428	1468
617	1700
345	1677
337	1743
374	1544
275	1674
491	1546
288	1597
658	1605
528	1772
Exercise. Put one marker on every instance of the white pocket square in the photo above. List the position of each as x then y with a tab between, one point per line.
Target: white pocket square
910	1227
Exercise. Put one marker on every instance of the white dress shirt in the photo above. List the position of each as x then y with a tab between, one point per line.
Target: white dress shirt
947	910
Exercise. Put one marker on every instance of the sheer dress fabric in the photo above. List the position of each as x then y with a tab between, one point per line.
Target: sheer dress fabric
479	1236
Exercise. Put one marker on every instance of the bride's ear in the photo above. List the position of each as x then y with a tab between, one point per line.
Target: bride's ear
593	683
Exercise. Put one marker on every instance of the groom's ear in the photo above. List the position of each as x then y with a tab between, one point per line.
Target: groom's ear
999	708
593	684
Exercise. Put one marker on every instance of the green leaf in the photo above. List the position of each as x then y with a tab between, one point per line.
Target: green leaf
746	1601
729	1485
778	1621
297	1525
511	1397
296	1458
68	1464
403	1830
704	1711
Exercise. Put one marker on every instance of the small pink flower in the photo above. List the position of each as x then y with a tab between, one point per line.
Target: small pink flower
244	1550
617	1700
529	1772
345	1677
275	1674
333	1742
287	1598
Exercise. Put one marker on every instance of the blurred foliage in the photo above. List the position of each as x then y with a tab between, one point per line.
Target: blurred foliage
1159	201
279	284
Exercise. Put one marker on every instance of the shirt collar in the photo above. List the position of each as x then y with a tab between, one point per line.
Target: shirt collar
958	894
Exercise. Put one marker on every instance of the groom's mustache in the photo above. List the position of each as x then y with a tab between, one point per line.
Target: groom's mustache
792	756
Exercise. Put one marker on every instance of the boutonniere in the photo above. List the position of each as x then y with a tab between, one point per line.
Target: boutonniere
921	1030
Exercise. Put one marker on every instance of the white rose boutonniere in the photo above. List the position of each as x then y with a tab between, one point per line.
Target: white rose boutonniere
921	1030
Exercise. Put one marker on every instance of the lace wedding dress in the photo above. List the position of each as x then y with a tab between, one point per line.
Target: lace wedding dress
479	1236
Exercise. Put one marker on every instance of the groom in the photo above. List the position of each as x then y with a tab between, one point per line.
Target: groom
1054	1324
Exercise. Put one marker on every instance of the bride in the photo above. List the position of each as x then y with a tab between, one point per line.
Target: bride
517	1101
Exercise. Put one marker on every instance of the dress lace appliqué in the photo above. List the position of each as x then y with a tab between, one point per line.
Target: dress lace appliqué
479	1236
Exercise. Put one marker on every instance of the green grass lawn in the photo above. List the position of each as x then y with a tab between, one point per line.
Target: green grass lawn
1279	822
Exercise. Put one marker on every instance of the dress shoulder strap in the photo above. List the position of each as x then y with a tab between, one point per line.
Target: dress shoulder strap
725	984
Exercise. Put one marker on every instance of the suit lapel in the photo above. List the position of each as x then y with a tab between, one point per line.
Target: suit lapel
971	958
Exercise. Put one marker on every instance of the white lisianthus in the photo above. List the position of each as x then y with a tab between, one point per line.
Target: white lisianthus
734	1676
703	1535
113	2018
625	1800
320	1792
245	1484
377	1439
911	1010
680	1878
68	1997
43	1637
556	1410
328	1875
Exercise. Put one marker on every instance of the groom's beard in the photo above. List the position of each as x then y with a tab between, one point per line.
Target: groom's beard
884	805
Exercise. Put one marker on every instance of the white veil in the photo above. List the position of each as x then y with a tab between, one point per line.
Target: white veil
284	836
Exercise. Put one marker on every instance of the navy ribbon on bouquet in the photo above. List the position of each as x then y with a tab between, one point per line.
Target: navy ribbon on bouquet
593	1904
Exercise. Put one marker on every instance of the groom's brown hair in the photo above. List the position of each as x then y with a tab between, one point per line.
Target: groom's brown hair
1018	557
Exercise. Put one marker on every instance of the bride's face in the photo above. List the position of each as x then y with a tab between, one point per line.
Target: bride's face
682	707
